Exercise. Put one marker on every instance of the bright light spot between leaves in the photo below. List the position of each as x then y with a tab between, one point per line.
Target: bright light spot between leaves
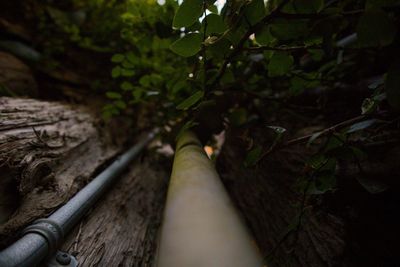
209	151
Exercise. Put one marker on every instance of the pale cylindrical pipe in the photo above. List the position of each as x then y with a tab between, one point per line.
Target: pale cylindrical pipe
201	227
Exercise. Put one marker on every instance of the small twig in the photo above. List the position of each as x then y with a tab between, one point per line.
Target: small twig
326	131
298	221
317	15
78	237
303	139
44	143
282	48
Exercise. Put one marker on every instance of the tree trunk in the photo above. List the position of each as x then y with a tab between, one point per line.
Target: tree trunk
265	195
47	152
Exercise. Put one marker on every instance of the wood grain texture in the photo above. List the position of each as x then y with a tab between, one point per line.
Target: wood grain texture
122	229
48	150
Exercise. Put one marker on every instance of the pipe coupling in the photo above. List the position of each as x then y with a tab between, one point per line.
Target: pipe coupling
50	230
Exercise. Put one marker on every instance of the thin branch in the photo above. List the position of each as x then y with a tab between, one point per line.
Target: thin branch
282	48
256	49
329	130
304	139
317	15
243	40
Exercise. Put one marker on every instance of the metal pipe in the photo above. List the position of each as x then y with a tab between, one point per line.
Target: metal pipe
201	227
42	238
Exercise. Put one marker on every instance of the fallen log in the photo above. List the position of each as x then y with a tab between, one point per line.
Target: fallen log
48	151
122	229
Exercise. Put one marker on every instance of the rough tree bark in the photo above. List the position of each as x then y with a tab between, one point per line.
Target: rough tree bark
122	229
266	197
47	152
355	225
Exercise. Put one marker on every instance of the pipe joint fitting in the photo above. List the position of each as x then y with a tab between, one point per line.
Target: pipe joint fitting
50	230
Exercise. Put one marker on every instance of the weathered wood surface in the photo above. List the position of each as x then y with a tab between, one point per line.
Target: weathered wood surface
48	150
122	229
266	197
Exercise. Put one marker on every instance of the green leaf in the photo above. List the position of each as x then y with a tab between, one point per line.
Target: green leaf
253	156
279	64
381	3
191	100
308	6
132	58
213	9
127	72
298	85
116	72
145	80
277	129
137	93
334	142
126	86
188	13
235	34
219	49
361	125
317	161
316	55
189	45
392	87
313	138
120	104
264	36
127	64
284	29
238	117
323	183
113	95
117	58
227	78
375	29
368	106
254	11
178	86
215	24
194	27
373	186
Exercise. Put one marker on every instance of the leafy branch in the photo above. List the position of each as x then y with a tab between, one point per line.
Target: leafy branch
236	50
